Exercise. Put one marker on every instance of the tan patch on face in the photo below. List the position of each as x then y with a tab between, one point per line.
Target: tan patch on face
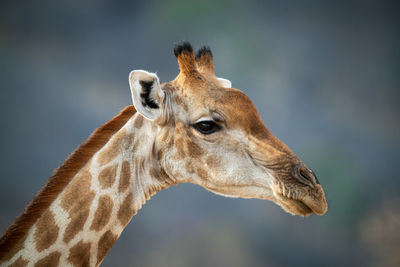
107	176
77	188
189	167
105	243
50	260
160	155
213	161
194	150
126	210
169	140
78	214
113	149
184	145
46	231
180	147
179	102
103	213
80	254
124	180
202	173
165	136
20	262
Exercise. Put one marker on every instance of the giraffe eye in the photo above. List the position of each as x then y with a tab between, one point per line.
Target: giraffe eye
206	127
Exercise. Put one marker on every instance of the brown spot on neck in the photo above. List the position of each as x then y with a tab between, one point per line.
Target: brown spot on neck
113	149
138	122
107	176
77	189
20	262
18	245
80	254
126	211
106	241
135	145
46	231
50	260
124	180
10	242
77	200
103	213
78	214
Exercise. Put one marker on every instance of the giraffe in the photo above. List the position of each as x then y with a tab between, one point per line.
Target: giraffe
193	129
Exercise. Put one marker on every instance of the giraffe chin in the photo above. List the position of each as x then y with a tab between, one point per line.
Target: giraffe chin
300	207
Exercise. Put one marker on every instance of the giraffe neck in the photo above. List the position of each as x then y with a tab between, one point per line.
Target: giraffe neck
88	216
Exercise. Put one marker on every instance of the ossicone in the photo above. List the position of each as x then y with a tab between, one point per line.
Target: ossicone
204	60
184	54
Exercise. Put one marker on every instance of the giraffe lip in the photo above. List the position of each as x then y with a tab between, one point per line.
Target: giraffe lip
306	210
295	206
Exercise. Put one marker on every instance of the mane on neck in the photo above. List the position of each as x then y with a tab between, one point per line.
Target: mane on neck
16	233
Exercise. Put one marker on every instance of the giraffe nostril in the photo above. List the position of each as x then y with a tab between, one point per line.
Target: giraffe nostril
305	175
315	177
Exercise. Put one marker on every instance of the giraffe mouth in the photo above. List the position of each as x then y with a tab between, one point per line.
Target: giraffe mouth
294	206
305	210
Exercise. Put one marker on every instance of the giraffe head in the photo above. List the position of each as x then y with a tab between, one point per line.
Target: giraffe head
212	135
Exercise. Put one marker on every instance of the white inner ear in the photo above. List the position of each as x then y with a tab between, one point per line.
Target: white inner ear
224	82
156	94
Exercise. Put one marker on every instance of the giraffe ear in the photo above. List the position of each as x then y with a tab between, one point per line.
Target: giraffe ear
147	94
224	82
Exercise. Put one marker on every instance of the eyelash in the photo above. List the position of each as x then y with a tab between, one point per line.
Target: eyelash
206	127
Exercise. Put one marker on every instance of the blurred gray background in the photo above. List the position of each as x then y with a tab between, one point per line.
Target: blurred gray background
323	74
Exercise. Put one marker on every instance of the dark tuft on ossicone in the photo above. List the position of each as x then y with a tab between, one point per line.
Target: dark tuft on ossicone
204	50
181	47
